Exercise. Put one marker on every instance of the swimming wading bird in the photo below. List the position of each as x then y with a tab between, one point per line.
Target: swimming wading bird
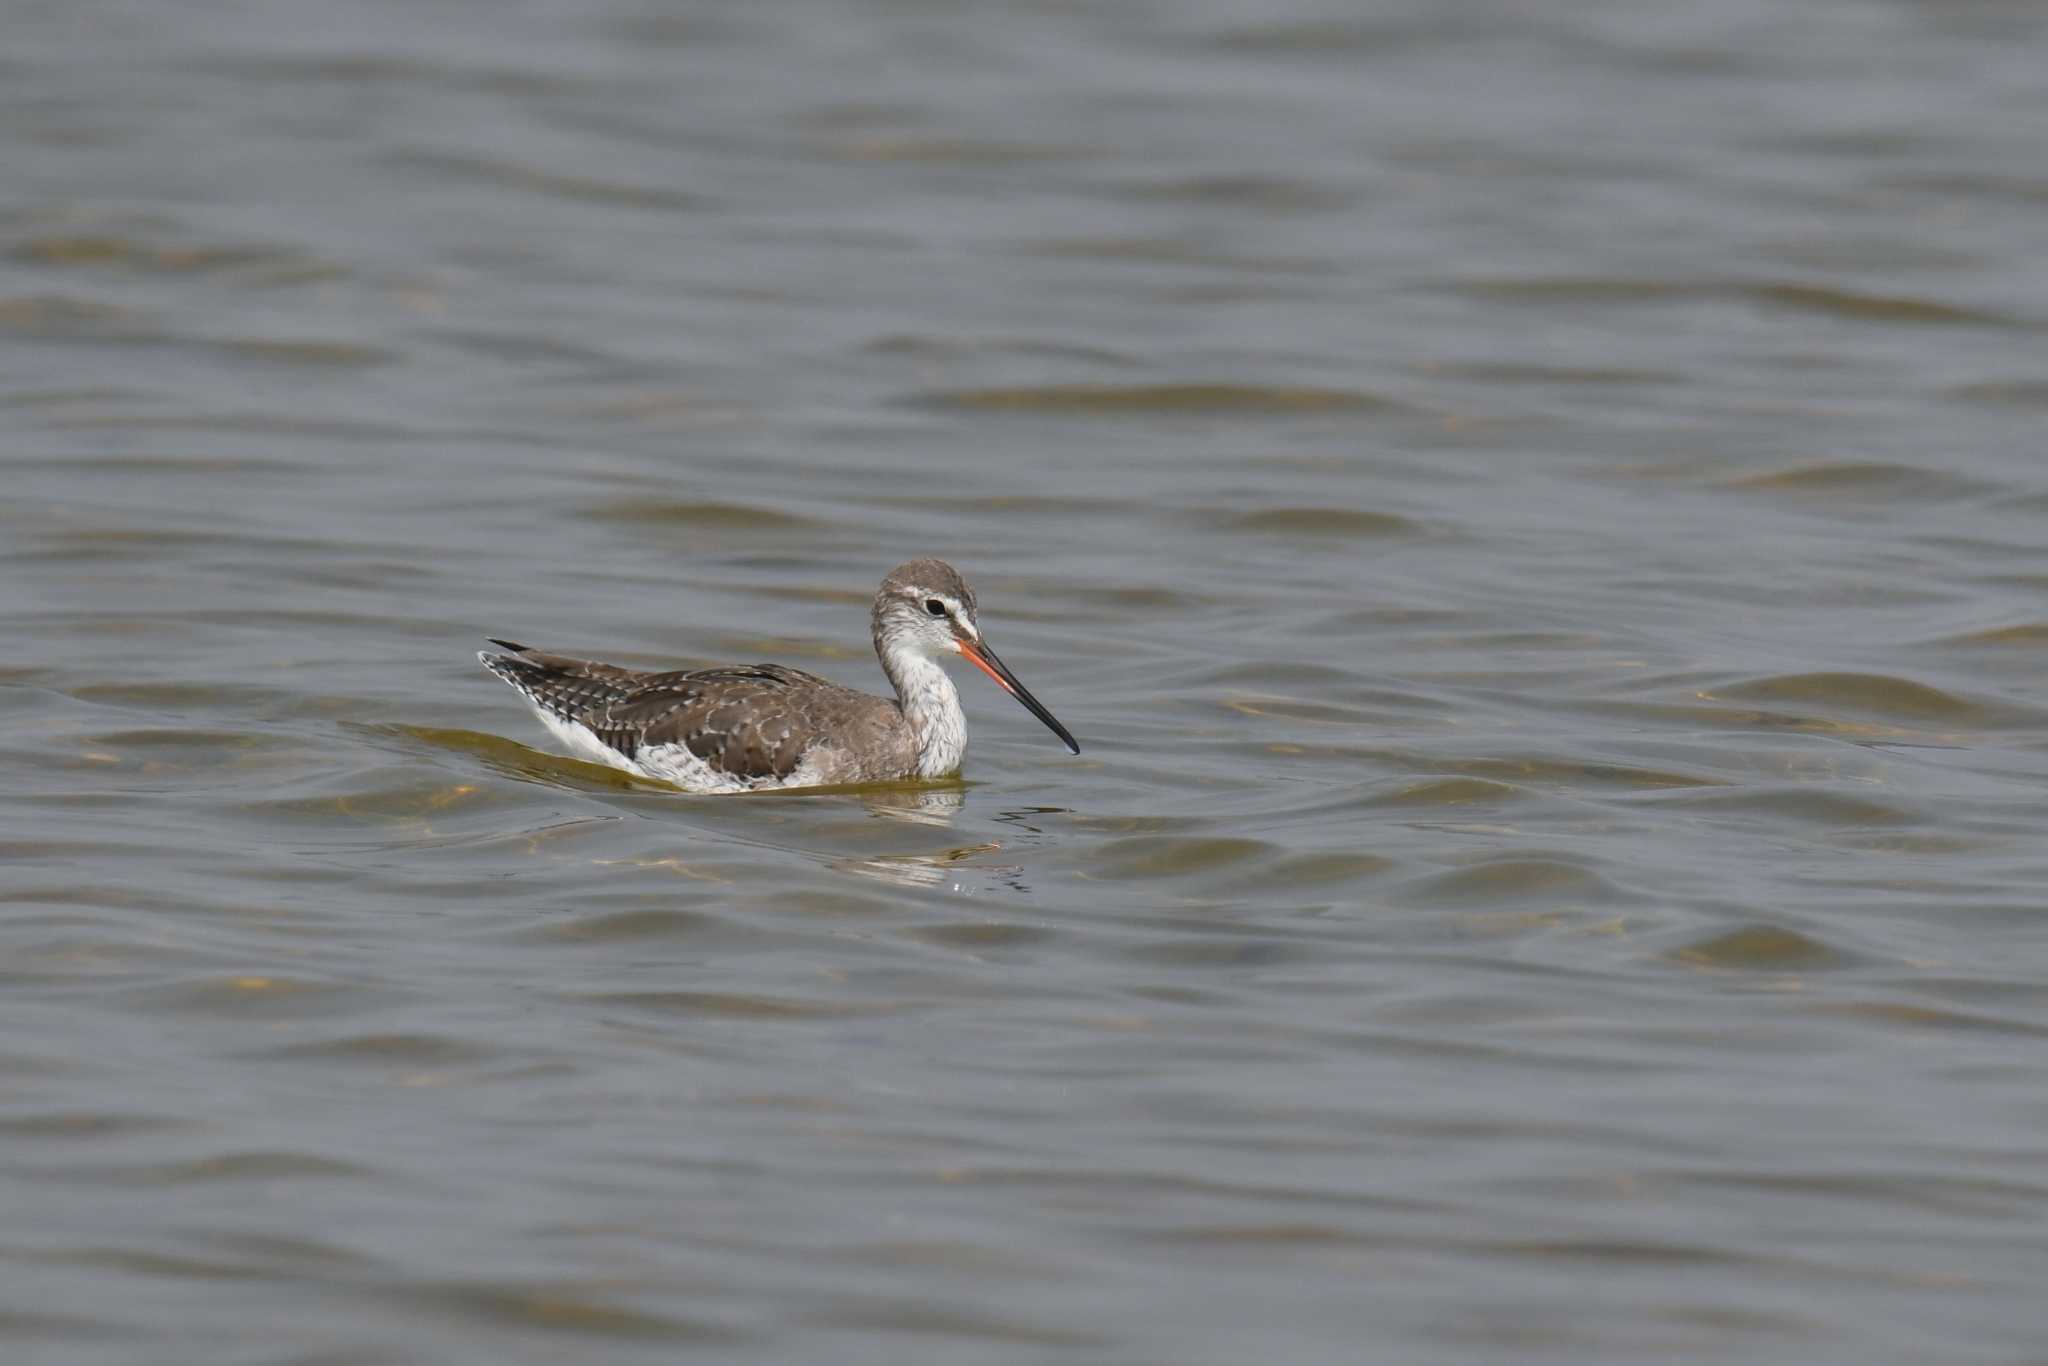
758	726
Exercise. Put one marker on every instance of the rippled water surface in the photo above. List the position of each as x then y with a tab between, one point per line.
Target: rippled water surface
1538	515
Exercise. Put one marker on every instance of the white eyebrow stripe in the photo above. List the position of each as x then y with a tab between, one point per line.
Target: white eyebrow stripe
960	615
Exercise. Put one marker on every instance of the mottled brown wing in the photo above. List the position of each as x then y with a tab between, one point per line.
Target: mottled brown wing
751	722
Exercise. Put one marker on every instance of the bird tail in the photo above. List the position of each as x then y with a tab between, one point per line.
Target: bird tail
512	666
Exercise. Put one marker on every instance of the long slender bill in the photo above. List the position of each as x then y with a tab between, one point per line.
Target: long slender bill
981	657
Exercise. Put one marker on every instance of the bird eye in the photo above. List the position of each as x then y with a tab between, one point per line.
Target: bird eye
935	607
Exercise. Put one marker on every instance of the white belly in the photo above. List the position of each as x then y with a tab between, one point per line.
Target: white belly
668	763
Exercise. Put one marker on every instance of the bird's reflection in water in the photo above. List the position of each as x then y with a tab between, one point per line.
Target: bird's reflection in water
957	867
919	805
951	868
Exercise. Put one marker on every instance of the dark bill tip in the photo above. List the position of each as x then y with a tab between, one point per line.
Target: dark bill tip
981	657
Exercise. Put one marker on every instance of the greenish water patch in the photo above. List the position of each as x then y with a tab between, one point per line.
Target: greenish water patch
1166	856
1447	792
1857	478
1875	694
745	517
1758	946
1338	522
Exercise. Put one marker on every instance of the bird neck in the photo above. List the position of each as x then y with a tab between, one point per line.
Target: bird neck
930	705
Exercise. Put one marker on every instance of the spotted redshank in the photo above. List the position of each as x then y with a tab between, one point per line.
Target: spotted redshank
759	726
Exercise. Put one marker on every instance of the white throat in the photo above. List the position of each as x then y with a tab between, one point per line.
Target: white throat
931	705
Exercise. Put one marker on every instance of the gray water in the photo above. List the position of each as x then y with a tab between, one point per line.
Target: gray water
1538	515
